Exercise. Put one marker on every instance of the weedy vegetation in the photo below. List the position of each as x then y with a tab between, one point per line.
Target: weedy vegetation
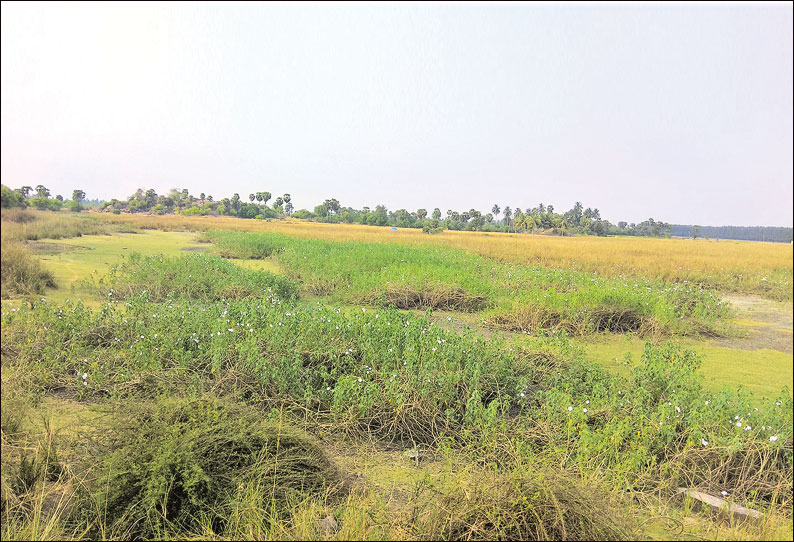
732	266
205	400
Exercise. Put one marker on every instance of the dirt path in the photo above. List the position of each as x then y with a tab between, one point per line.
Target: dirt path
768	324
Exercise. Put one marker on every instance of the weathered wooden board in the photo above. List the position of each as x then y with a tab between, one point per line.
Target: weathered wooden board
720	504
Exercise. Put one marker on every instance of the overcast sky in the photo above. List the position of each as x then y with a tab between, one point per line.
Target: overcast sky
681	113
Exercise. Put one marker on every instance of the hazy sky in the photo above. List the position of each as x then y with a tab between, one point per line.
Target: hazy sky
681	113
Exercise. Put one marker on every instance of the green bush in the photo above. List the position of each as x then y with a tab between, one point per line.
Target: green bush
22	273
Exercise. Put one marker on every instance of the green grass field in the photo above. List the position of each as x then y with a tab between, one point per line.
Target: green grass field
404	391
763	372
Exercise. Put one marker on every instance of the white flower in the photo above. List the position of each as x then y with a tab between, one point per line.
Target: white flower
747	428
704	442
707	402
587	402
434	349
359	380
85	375
522	394
738	424
328	388
570	409
85	383
773	438
678	409
584	410
724	493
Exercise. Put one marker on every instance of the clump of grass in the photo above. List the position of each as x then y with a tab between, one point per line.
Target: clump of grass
246	247
33	501
195	276
440	296
529	504
22	274
531	318
178	464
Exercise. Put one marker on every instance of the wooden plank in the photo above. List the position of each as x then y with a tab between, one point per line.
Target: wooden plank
720	504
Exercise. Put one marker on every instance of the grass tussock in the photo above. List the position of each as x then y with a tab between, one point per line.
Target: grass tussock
531	318
187	465
435	297
536	504
22	273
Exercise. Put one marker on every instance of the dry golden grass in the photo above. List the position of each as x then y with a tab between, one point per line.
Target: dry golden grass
732	265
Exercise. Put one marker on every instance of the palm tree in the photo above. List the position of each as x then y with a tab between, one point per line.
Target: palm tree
563	227
529	222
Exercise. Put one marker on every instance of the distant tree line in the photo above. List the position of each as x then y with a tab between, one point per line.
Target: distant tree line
541	218
741	233
183	203
27	196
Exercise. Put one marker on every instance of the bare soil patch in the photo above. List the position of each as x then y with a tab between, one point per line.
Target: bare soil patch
768	324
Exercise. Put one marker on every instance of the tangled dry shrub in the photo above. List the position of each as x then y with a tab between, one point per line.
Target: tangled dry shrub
537	504
440	297
758	472
180	464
